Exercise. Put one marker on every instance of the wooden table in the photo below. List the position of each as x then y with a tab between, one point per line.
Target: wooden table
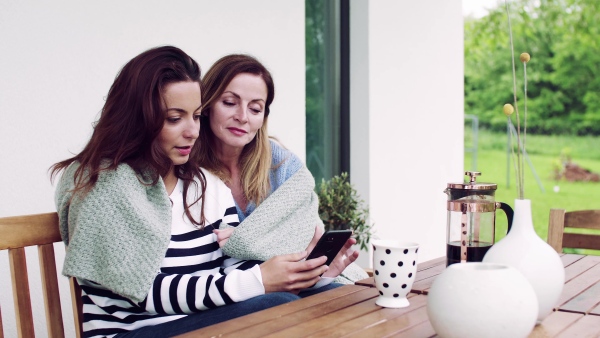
350	311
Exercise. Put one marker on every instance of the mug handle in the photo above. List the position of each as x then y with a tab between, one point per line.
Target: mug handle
509	213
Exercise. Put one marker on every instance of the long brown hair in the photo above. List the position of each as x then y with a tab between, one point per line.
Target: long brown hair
255	160
131	120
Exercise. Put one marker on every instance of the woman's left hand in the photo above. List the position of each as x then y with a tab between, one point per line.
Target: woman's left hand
223	235
343	259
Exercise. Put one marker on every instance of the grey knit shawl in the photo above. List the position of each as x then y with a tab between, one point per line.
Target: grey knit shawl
283	223
118	233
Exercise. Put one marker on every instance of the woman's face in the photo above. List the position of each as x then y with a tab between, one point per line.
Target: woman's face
181	101
238	114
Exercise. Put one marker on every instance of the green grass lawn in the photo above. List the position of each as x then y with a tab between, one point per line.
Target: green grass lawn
544	153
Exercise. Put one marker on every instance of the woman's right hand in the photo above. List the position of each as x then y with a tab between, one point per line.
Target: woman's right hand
290	274
223	235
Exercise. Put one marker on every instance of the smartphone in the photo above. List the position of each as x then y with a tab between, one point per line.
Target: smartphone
330	244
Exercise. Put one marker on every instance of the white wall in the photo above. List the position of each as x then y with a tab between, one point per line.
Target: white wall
59	59
407	88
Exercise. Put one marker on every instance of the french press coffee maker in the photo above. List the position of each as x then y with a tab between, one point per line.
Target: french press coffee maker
471	219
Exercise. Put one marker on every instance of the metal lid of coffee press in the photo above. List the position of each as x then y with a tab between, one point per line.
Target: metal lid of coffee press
472	184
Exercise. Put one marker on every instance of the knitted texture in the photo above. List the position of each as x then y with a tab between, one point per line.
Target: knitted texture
284	223
117	234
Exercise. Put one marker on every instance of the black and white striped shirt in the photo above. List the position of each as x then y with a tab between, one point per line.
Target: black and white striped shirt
194	276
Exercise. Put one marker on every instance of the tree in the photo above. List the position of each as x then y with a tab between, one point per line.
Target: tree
563	82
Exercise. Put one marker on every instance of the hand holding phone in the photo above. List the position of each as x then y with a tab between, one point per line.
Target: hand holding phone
330	244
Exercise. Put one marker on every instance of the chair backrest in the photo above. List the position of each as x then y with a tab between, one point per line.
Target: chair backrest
582	219
39	230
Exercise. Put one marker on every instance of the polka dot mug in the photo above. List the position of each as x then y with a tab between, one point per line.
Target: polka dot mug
394	270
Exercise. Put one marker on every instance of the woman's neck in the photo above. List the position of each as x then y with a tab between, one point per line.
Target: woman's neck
170	181
230	158
234	181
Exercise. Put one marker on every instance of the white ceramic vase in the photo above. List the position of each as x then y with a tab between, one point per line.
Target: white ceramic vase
481	300
524	250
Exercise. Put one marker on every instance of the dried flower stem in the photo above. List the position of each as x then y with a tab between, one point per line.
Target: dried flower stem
512	150
520	189
525	102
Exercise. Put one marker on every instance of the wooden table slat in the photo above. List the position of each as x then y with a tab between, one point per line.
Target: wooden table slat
431	272
332	320
359	323
395	325
583	302
569	259
586	326
578	267
425	279
434	262
370	282
304	315
556	322
421	330
579	284
274	313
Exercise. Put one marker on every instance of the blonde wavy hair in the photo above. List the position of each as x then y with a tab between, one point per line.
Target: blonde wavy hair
255	160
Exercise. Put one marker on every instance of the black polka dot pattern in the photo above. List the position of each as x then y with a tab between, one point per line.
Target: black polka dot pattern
393	276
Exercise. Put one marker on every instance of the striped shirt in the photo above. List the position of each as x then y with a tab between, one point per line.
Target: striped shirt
194	276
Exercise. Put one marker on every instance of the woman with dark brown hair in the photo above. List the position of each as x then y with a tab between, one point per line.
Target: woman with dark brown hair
137	216
272	188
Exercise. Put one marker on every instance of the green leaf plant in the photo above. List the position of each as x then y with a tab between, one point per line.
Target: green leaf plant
341	208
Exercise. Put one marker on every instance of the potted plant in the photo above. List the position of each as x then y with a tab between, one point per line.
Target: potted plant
341	208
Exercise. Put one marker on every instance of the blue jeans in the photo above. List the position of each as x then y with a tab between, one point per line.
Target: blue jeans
220	314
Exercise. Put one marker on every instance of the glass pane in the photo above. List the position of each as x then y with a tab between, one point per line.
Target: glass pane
322	88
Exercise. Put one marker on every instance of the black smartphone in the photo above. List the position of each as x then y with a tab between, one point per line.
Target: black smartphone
330	244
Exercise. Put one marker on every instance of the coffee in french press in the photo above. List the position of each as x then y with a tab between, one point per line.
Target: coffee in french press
471	219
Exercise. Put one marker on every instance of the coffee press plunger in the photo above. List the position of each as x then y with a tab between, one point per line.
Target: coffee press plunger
471	219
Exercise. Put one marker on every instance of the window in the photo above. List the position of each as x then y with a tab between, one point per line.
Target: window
327	88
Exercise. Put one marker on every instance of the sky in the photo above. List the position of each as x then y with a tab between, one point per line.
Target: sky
479	8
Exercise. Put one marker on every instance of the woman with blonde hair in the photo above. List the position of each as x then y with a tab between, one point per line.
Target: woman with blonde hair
272	188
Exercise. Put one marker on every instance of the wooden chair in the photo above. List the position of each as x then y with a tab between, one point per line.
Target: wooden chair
40	230
583	219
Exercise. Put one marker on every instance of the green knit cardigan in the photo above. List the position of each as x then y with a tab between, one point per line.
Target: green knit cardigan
118	233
